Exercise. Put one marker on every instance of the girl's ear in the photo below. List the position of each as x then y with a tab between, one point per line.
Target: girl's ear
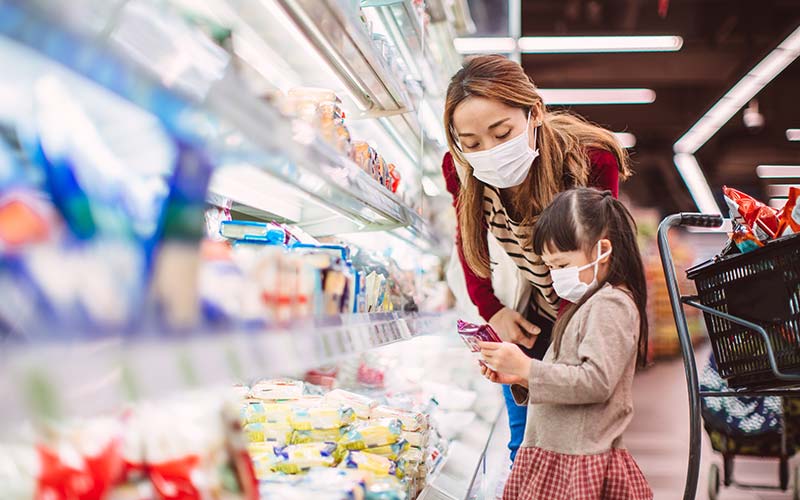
605	250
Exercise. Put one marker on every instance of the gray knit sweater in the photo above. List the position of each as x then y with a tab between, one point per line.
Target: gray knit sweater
581	403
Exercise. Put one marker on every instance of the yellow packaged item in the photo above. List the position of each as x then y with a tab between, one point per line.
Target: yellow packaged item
411	420
416	438
296	458
321	417
390	451
362	405
371	434
277	433
369	462
316	436
260	412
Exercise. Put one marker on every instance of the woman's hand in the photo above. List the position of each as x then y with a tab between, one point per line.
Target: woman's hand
512	327
501	378
506	359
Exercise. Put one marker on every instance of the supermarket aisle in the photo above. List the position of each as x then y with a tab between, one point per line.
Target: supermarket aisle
658	438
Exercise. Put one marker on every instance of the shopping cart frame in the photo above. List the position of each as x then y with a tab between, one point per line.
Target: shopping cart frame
677	302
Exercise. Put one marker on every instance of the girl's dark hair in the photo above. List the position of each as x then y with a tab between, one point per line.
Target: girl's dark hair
576	220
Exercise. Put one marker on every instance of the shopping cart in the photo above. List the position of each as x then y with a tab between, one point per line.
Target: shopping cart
751	305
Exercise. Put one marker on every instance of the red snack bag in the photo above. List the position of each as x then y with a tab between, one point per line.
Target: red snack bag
395	176
760	218
744	239
790	214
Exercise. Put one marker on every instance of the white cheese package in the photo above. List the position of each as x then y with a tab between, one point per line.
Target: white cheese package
362	405
411	420
297	458
277	389
390	451
371	433
369	462
321	417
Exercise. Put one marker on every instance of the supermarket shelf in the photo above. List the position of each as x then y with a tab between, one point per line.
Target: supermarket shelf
94	377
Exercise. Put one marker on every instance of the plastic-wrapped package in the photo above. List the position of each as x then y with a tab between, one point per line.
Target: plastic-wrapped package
321	417
259	412
411	420
362	405
760	218
369	462
390	451
418	439
386	488
296	458
371	434
317	435
278	433
351	482
277	389
790	214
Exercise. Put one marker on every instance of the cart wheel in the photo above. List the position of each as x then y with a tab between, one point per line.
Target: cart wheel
713	482
784	473
796	483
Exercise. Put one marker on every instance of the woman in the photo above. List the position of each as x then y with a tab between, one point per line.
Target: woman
508	159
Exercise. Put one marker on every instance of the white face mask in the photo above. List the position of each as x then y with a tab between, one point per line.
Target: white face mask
505	165
567	282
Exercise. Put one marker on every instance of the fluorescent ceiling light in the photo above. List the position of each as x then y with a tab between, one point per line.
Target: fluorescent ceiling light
592	44
625	139
485	45
793	134
778	171
777	203
597	96
696	182
779	190
755	80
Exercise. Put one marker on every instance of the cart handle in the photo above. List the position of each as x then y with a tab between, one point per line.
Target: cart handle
700	220
773	364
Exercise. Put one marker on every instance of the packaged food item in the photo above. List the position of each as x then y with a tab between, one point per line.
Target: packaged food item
321	417
277	389
362	405
317	435
260	412
390	451
277	433
386	488
417	439
744	239
760	218
362	460
394	176
411	462
790	214
412	421
371	434
471	334
296	458
351	483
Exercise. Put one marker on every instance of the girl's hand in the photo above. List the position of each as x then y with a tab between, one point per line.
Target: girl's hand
506	358
512	327
499	378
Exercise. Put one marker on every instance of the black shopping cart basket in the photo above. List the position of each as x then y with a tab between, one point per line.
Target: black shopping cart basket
751	305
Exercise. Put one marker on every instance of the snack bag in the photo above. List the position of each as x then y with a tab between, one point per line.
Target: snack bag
317	436
744	239
471	334
296	458
362	405
760	218
371	434
277	389
376	464
321	417
277	433
411	421
390	451
790	214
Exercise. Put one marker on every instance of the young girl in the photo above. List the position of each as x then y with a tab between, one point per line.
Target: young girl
579	395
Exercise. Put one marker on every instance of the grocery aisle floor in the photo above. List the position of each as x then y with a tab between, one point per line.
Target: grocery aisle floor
658	439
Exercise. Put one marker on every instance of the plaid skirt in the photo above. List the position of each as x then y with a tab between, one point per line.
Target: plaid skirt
545	475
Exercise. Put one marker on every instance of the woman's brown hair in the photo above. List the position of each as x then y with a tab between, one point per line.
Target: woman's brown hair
576	220
563	139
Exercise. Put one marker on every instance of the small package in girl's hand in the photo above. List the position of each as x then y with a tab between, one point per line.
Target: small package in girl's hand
471	334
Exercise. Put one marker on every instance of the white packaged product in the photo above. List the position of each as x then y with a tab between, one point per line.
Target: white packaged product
362	405
411	420
277	389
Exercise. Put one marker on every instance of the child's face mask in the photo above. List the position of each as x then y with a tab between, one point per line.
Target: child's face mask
567	282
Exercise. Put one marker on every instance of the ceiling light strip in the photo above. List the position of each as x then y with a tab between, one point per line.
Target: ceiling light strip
793	134
597	96
756	79
485	45
598	44
778	171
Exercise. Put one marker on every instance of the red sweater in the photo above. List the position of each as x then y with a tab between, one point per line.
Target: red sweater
604	175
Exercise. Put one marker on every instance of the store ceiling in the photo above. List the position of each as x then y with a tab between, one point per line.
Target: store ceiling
723	39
